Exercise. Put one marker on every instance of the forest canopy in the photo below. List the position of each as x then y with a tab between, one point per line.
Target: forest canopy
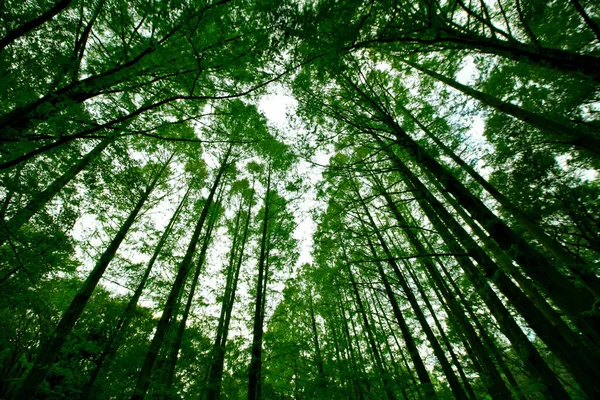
235	199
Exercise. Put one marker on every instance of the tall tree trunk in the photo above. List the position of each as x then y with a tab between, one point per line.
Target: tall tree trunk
218	358
589	20
436	213
40	199
578	65
575	265
484	333
356	361
443	336
579	137
50	351
333	326
399	350
492	378
575	303
584	348
116	336
255	368
375	350
14	123
213	376
370	292
173	352
321	378
143	381
455	386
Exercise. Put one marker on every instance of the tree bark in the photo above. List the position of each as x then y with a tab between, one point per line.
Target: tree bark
14	123
356	361
428	388
455	386
443	336
321	378
575	303
584	348
436	213
397	370
173	353
574	264
447	284
577	65
593	25
494	383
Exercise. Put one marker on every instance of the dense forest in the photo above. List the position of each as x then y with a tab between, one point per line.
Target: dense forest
257	199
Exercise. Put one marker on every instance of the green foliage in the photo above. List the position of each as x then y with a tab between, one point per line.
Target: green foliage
430	116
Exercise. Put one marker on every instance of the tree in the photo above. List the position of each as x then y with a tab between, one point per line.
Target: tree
275	243
240	233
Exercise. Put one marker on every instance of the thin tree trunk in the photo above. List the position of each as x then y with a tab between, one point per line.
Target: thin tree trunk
321	378
494	384
455	386
40	199
399	350
584	348
481	341
15	122
215	376
341	356
255	368
379	333
441	286
173	353
356	366
444	337
581	66
436	213
378	362
483	332
143	381
50	351
358	347
341	352
593	25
